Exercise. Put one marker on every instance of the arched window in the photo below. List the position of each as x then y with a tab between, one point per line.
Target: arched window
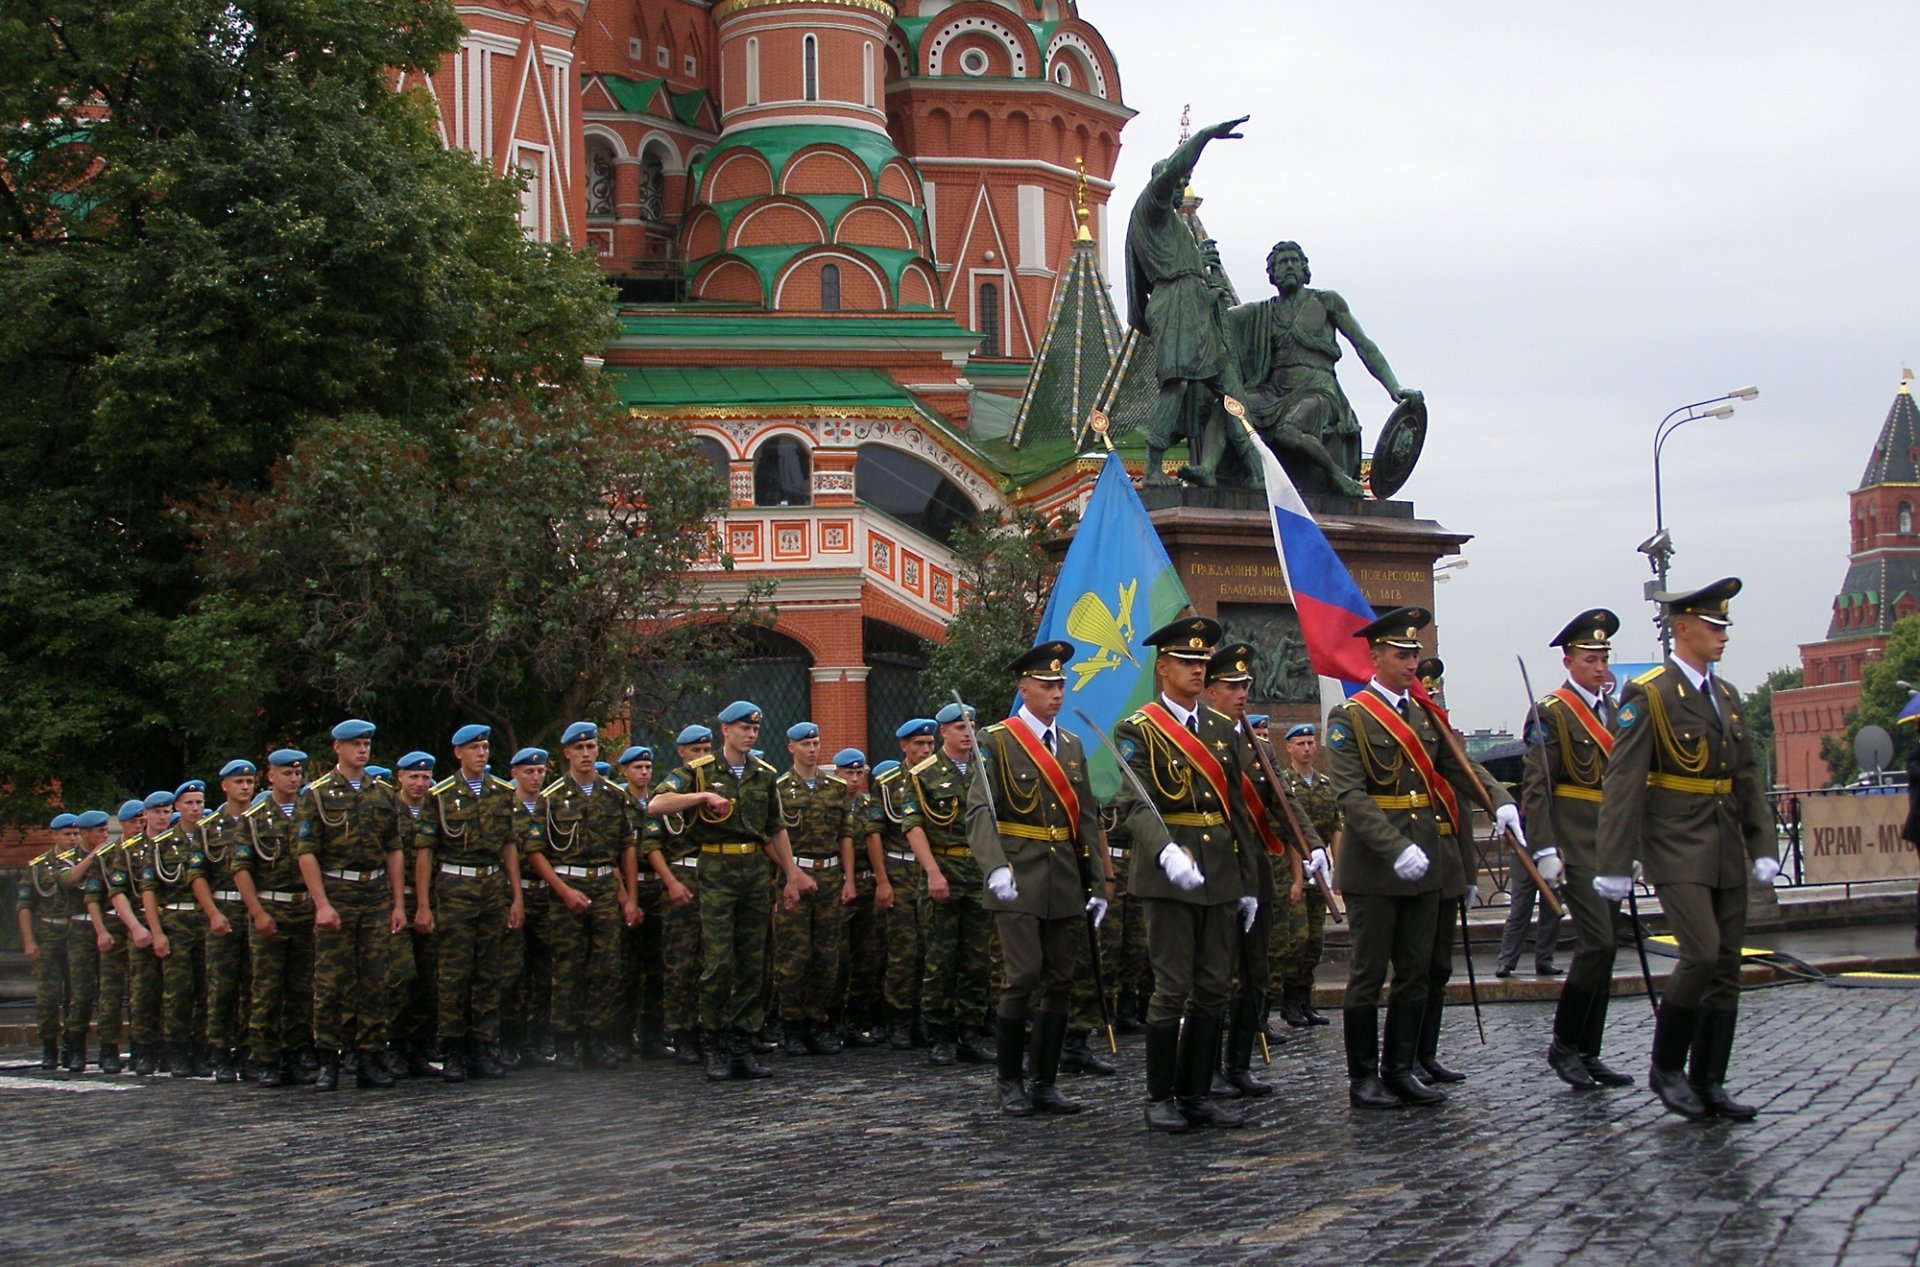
781	473
1906	519
810	68
713	451
599	177
914	492
653	187
830	288
866	75
753	71
990	319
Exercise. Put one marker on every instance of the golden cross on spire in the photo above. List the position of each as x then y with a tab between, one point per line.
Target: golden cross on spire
1186	123
1080	201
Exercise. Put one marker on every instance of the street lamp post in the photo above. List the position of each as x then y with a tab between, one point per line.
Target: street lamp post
1659	547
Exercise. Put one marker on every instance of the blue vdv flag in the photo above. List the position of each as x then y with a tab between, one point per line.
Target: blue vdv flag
1115	587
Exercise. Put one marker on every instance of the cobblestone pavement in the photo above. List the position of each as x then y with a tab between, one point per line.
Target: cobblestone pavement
873	1157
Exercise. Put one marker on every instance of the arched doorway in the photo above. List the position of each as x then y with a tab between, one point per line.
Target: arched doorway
895	659
772	670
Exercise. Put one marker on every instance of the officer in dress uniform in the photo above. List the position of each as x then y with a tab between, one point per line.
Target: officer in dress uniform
1571	735
1405	820
1034	828
1194	867
1685	796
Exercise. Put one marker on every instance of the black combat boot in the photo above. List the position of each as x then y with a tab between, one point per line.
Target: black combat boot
1596	1030
482	1060
1240	1036
1569	1026
50	1054
746	1061
1049	1036
418	1064
822	1040
1080	1057
686	1046
768	1038
272	1073
1673	1033
714	1048
653	1039
1404	1023
1429	1050
77	1055
1290	1010
329	1078
1009	1054
392	1062
144	1061
1127	1017
1308	1010
1712	1050
372	1072
110	1058
1364	1088
797	1034
453	1063
307	1066
226	1065
200	1061
1163	1054
899	1036
941	1053
973	1046
1193	1081
179	1063
919	1031
566	1052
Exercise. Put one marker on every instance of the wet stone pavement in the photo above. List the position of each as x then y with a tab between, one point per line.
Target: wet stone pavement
873	1157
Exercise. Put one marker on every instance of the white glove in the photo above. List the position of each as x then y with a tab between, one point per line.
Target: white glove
1317	864
1548	860
1507	819
1180	869
1411	864
1765	867
1249	910
1000	884
1614	888
1097	906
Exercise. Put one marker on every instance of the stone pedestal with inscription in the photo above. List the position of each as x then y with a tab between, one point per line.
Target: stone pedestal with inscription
1222	547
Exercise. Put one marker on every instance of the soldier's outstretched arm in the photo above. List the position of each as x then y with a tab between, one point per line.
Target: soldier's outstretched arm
1369	352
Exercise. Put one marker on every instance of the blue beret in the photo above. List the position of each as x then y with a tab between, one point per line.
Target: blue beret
530	756
739	710
1257	719
950	714
885	767
239	765
601	767
467	734
693	734
756	752
415	761
917	728
353	728
639	752
286	756
157	800
378	771
802	730
61	822
91	819
1301	728
577	731
849	759
131	810
191	785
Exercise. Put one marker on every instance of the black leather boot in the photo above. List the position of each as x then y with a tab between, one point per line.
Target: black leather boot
1163	1054
686	1047
482	1059
226	1065
1080	1057
110	1058
716	1055
1673	1034
941	1053
50	1054
372	1072
1361	1028
796	1038
1596	1029
77	1055
972	1046
453	1063
1402	1050
145	1063
1569	1032
329	1076
1239	1062
1712	1050
1199	1057
1009	1055
823	1039
1429	1049
179	1062
653	1039
1049	1036
746	1061
566	1052
1308	1010
601	1050
1290	1010
899	1037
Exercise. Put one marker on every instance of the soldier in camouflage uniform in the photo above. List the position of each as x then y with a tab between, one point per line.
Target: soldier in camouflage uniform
411	1006
954	927
42	911
467	876
526	957
266	874
174	891
347	839
858	994
82	888
131	940
226	952
674	860
642	1012
145	985
582	844
1302	938
896	879
733	814
808	940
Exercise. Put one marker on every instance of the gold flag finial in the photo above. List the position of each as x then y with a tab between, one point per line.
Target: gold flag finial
1080	201
1906	377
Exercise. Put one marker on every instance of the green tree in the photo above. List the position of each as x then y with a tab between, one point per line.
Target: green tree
1006	572
1758	707
1881	699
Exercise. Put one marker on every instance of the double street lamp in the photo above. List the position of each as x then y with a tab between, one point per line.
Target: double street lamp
1659	547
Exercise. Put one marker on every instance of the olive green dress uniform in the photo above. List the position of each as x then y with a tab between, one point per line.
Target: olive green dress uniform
280	1009
900	923
38	893
466	832
1303	939
584	836
143	987
1685	795
1459	867
808	940
227	957
167	872
354	834
734	903
954	935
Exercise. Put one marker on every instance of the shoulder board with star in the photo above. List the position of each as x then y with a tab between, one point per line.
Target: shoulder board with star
1211	711
834	779
697	762
377	781
924	764
763	764
445	783
1651	675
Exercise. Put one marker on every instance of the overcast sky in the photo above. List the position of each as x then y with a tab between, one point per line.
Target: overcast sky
1559	223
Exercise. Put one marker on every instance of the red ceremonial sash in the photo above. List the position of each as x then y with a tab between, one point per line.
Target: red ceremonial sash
1584	715
1049	768
1258	812
1190	746
1439	791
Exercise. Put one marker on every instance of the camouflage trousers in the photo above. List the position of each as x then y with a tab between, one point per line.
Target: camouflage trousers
116	966
469	947
411	991
145	996
51	981
280	989
1299	939
733	934
526	967
183	975
227	980
83	981
862	959
586	956
680	956
956	938
351	968
899	928
642	964
808	942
